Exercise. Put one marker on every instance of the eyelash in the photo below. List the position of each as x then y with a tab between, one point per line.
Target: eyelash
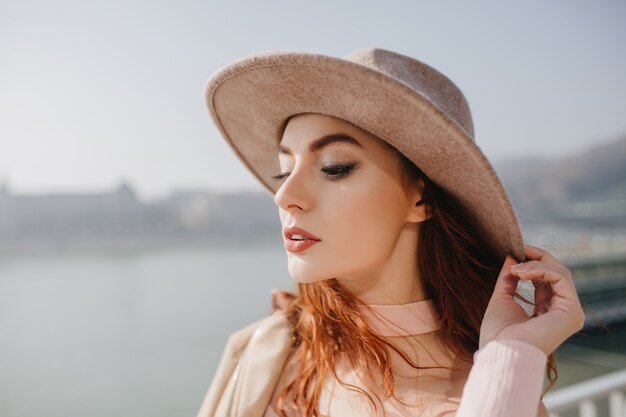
333	172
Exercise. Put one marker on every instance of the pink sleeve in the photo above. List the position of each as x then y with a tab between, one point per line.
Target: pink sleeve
506	380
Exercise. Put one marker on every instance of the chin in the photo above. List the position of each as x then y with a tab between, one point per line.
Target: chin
306	277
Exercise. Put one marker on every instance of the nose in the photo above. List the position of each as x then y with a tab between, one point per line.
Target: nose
294	192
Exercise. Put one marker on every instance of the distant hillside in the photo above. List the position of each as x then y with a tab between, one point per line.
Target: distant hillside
541	188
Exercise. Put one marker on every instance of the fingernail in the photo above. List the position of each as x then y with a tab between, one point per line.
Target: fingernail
519	267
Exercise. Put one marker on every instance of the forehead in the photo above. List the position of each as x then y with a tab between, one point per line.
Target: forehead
312	132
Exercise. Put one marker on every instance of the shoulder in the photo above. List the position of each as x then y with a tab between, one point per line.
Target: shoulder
238	339
275	323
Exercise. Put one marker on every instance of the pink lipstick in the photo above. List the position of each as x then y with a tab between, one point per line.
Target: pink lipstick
298	240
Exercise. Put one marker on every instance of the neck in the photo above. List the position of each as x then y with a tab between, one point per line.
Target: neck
378	289
375	292
396	281
407	319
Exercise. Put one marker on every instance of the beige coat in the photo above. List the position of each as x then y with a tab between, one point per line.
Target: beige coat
252	363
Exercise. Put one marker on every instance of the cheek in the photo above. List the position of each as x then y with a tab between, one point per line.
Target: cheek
360	225
364	222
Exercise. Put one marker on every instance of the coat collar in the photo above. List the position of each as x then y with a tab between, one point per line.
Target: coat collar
260	366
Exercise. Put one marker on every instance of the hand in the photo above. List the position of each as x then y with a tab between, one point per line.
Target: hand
558	313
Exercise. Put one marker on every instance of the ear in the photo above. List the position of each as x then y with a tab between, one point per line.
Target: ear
418	210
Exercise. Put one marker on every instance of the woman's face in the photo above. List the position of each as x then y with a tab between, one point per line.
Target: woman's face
349	194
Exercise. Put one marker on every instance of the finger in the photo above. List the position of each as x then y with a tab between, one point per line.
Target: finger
539	310
539	264
560	282
506	284
546	331
543	295
535	253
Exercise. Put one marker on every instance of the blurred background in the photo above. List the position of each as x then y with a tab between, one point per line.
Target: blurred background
133	241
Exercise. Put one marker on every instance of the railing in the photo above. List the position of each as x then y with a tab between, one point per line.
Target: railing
584	395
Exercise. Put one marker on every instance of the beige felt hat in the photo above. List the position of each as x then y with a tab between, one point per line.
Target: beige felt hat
397	98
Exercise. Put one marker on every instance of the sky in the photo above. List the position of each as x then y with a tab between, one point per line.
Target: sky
93	93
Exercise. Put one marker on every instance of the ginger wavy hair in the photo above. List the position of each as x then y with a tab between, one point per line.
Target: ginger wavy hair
459	267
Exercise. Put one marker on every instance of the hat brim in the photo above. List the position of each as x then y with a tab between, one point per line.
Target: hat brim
251	99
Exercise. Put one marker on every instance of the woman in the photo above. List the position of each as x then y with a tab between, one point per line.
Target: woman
403	243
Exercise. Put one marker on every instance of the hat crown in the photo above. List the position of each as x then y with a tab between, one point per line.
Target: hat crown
421	78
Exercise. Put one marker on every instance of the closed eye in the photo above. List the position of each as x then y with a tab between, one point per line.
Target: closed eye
333	172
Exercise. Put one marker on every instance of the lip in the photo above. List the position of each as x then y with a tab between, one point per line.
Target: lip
298	245
288	231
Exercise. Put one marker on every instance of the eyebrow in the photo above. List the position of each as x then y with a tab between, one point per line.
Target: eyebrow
319	143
